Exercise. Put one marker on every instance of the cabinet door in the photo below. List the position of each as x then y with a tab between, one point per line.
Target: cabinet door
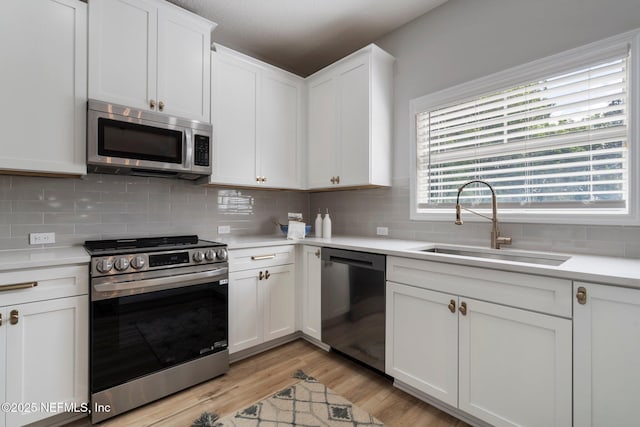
311	292
279	136
422	340
606	349
123	52
354	108
47	355
278	288
184	65
322	132
234	104
515	366
43	59
4	322
245	310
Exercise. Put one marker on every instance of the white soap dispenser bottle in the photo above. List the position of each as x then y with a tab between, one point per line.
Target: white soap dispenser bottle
326	226
318	224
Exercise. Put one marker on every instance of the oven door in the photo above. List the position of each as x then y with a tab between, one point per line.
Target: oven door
145	326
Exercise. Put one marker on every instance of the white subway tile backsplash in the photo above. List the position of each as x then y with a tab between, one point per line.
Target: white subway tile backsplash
110	206
361	211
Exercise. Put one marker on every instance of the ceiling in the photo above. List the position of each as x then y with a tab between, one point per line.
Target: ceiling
303	36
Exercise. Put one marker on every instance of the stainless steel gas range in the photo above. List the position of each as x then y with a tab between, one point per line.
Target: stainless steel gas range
159	310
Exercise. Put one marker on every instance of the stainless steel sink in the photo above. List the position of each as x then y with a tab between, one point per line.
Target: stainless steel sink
543	259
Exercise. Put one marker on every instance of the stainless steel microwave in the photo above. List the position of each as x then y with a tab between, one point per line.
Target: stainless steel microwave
129	141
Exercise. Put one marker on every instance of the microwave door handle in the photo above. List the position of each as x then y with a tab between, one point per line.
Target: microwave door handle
188	148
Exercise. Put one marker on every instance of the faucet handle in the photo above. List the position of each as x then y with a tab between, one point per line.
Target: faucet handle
502	241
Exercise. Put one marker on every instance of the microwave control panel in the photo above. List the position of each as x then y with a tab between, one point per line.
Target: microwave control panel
201	150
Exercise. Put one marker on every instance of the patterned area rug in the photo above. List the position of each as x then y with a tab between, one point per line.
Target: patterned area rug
308	403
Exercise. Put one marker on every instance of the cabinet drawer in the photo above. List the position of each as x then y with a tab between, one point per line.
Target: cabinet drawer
538	293
38	284
245	259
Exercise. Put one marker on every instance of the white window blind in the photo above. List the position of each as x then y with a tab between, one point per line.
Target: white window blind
559	142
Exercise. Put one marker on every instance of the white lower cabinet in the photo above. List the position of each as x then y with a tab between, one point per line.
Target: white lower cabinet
606	348
427	361
44	345
503	365
311	292
514	366
261	300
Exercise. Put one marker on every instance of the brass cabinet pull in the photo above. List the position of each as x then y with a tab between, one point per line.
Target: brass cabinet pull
337	179
264	179
257	179
260	276
16	286
452	306
261	257
13	317
161	106
317	253
463	308
581	295
152	104
267	274
333	180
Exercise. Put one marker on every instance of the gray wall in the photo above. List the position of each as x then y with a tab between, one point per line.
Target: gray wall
106	206
460	41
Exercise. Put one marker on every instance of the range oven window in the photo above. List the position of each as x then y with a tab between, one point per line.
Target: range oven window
140	334
141	142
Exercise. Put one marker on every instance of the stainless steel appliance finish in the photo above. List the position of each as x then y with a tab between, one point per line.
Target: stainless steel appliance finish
353	304
159	319
123	140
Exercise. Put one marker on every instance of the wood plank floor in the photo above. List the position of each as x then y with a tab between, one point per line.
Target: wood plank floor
260	376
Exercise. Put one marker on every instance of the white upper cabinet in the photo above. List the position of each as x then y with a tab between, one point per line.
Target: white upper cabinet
257	122
149	54
44	57
349	122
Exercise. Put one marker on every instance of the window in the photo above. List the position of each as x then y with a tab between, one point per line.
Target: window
552	138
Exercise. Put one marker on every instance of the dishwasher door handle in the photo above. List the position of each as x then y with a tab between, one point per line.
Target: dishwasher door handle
354	262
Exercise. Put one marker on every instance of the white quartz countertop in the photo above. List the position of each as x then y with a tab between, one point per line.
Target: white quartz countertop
588	268
42	257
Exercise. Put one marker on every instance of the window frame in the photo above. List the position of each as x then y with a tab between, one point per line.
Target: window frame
554	64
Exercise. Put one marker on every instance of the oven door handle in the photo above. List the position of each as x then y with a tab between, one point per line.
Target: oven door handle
170	282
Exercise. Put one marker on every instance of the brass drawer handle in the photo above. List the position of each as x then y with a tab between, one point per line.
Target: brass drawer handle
152	104
267	274
261	257
260	276
452	306
13	317
337	180
463	308
161	106
17	286
581	295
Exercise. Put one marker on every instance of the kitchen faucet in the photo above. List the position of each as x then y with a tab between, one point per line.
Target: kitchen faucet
496	239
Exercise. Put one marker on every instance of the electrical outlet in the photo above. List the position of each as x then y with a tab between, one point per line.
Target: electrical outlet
41	238
224	229
382	231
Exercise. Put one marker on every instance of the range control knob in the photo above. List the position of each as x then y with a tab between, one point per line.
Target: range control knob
104	266
137	262
198	256
122	264
221	254
210	255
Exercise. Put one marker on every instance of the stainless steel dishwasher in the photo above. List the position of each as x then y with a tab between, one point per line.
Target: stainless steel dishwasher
353	304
